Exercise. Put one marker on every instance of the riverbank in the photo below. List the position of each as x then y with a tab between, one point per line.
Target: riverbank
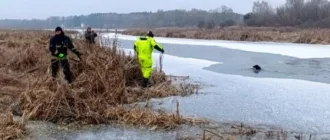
106	82
254	34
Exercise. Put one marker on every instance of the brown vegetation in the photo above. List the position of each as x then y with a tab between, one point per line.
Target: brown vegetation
105	82
293	35
10	129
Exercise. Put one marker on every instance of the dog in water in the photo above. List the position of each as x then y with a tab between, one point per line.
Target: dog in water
256	68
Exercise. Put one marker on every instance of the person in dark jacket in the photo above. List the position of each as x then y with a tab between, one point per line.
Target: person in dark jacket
90	35
58	46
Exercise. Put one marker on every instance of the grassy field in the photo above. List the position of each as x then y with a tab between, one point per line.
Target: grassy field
255	34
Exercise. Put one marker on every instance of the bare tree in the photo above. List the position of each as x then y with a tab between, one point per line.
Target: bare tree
306	13
294	9
222	9
262	15
262	7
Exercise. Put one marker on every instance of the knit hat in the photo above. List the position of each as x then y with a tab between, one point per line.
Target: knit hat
58	29
150	34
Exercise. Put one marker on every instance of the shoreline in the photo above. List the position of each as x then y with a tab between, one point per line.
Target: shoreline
249	34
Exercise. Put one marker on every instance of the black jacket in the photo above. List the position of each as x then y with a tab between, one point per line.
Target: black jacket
60	44
90	37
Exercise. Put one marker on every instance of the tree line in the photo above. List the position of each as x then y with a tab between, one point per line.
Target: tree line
222	16
296	13
301	13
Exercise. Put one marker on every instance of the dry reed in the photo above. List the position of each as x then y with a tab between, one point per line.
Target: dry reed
255	34
10	129
104	81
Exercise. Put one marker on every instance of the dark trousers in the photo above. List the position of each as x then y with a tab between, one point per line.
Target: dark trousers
66	68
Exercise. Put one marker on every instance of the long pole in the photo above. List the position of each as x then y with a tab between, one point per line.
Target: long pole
161	57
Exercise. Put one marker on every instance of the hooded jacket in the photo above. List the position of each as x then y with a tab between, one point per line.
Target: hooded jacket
59	44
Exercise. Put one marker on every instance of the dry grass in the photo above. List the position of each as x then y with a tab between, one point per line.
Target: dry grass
293	35
104	81
10	129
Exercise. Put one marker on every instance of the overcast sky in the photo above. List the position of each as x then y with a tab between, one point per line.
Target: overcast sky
27	9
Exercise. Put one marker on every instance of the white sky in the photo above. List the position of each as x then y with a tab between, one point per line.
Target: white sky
27	9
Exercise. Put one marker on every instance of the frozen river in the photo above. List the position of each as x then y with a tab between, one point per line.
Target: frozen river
292	92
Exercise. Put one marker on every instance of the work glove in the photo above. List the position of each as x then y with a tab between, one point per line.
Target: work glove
163	51
60	55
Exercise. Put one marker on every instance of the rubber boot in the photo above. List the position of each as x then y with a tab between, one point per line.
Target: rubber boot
69	80
145	83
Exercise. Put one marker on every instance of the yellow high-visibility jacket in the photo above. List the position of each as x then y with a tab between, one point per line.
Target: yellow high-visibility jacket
144	47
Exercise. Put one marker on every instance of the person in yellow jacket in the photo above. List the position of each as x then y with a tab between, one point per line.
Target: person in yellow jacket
144	46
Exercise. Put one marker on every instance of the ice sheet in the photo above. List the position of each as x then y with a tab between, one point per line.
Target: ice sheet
294	105
288	49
